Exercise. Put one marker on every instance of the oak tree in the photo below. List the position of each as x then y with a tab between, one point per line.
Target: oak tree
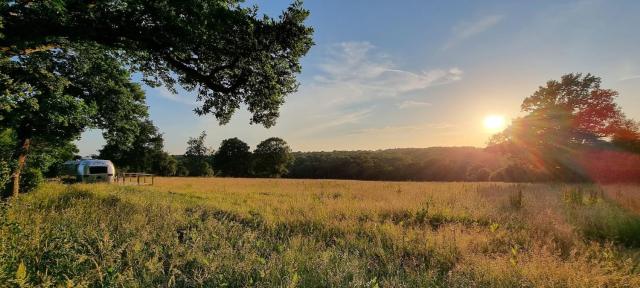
49	97
272	158
562	117
233	158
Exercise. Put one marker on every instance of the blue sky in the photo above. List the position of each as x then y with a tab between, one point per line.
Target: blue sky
388	74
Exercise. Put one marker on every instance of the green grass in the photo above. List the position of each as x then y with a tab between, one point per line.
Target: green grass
313	233
598	218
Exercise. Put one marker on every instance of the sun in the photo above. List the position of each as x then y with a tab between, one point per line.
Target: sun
494	123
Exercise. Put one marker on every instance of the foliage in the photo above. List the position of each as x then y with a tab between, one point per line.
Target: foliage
419	164
35	103
144	154
44	161
192	233
591	111
233	158
599	219
453	164
164	164
48	98
271	158
564	118
217	48
198	156
627	137
55	95
181	169
6	151
31	179
515	172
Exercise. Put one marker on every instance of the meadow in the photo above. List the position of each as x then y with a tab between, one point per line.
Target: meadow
224	232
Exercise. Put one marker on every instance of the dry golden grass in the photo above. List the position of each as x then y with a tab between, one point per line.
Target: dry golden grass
318	233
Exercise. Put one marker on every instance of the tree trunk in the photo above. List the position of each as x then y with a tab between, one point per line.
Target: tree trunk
22	158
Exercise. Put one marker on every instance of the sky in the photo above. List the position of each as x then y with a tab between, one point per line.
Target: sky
396	74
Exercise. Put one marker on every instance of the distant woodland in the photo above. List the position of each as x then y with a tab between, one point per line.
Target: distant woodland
419	164
604	164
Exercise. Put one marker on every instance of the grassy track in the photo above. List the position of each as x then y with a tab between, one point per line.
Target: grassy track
315	233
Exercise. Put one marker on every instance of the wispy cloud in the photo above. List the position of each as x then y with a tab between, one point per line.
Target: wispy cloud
631	77
403	129
413	104
340	119
465	30
363	75
353	76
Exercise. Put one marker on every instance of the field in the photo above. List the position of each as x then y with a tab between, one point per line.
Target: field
218	232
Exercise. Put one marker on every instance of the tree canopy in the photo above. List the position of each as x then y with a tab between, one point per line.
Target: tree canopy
197	158
272	158
578	102
217	48
564	118
233	158
144	154
49	97
627	136
415	164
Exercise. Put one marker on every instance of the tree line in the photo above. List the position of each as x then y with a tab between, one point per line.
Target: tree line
234	158
415	164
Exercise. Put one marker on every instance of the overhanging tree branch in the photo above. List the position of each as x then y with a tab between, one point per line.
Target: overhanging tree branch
225	49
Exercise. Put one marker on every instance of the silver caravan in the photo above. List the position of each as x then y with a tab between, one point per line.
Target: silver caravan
90	170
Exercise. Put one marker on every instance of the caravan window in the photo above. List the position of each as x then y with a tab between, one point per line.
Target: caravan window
98	170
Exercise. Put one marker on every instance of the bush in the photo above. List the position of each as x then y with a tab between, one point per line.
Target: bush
164	164
200	169
181	170
5	176
30	179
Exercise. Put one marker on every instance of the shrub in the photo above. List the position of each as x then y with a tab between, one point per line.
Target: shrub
30	179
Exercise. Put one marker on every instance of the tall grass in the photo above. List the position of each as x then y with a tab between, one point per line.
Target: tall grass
602	218
316	233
